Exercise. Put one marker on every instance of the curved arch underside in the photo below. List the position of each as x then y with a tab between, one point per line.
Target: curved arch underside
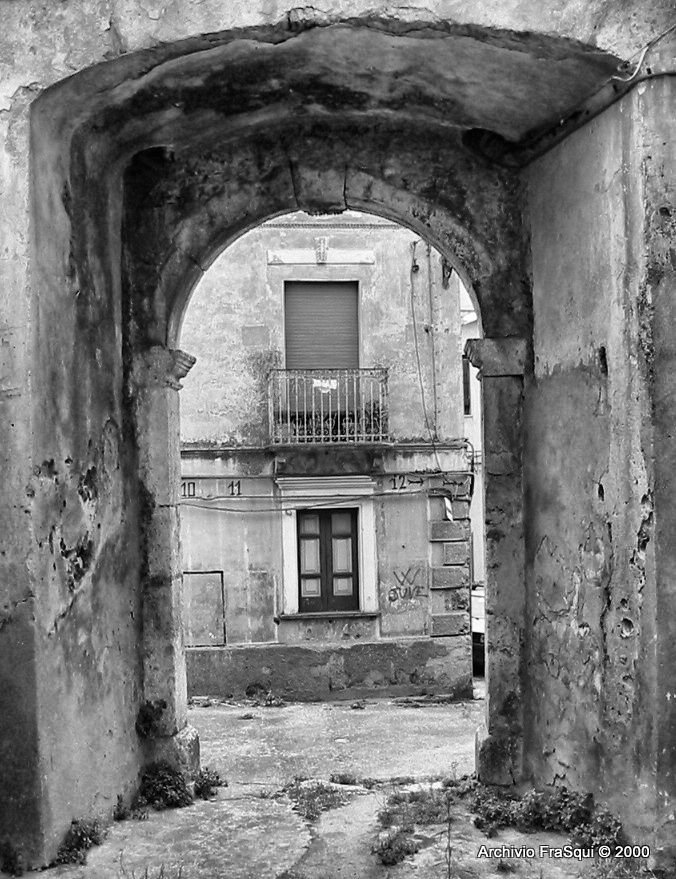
430	74
368	113
189	209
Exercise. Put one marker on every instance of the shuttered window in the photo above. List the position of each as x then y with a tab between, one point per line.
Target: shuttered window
321	324
328	560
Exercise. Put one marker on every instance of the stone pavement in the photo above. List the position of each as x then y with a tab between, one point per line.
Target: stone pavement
250	831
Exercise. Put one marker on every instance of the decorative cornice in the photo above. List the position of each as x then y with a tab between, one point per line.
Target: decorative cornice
319	255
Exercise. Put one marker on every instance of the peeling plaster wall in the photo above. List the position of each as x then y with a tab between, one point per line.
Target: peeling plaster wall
590	623
60	400
234	544
657	316
309	673
83	500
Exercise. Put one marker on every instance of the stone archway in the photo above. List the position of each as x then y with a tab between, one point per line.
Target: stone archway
184	242
253	131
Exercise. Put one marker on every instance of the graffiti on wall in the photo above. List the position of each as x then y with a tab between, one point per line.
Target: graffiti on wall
408	587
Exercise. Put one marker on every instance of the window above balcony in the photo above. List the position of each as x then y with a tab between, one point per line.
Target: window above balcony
328	406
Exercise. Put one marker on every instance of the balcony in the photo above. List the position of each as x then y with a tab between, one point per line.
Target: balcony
328	406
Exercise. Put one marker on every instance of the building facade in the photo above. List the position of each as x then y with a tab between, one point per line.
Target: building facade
330	451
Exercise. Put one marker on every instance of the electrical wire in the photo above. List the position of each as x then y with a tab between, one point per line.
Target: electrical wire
203	503
432	433
432	339
643	52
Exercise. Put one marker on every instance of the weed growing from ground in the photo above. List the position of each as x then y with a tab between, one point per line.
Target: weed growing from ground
421	806
81	836
163	787
311	798
402	811
558	810
206	783
395	846
343	778
625	869
160	872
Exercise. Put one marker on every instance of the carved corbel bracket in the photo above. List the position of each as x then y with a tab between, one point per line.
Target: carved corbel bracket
497	357
162	367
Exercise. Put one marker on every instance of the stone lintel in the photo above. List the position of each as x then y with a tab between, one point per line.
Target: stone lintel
497	357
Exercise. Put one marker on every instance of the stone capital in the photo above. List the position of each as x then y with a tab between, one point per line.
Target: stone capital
497	357
162	367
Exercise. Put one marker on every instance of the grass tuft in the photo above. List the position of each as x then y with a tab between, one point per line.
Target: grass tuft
81	836
311	798
395	846
206	783
160	872
163	787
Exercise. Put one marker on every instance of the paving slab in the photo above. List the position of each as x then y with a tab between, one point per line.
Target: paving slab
259	745
251	830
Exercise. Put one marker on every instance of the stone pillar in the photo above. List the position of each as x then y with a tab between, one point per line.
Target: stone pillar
162	719
499	745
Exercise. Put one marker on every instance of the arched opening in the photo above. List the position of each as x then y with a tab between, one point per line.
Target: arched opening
169	210
143	169
286	432
330	374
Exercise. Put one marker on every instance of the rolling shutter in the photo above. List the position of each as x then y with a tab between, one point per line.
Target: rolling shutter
321	324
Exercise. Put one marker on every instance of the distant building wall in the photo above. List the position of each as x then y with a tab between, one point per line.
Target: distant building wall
242	495
235	325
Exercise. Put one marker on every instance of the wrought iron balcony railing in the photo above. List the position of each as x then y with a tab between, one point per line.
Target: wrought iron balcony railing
328	406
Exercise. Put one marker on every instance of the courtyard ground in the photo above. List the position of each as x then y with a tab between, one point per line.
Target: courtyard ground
268	822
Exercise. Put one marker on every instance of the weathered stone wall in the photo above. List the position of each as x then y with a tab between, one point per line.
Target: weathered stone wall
310	673
591	625
656	317
418	582
67	350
